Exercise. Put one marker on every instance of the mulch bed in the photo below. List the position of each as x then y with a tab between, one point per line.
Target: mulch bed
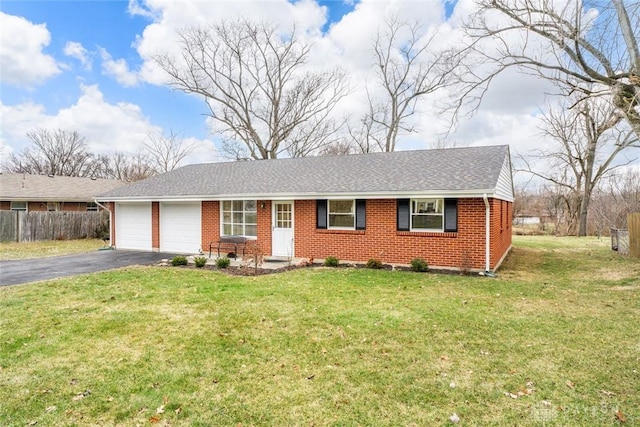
251	271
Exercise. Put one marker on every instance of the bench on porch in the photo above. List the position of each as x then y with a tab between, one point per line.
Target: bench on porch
230	243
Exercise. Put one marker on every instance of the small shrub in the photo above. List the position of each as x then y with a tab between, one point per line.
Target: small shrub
200	261
419	265
179	260
374	263
331	261
223	262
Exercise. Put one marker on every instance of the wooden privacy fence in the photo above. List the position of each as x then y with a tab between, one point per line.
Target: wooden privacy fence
32	226
633	224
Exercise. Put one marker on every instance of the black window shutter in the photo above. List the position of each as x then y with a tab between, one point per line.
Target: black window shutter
361	214
404	215
321	214
451	215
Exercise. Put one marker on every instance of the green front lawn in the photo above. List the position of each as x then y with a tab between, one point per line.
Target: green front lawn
554	340
47	248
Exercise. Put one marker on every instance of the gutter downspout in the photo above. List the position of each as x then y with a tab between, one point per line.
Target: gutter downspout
110	221
487	236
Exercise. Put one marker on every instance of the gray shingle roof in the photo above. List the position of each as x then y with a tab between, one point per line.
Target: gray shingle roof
26	187
469	169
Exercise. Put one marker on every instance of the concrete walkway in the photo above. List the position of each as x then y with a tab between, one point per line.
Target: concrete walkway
33	270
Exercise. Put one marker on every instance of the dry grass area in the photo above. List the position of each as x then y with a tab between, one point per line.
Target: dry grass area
47	248
552	341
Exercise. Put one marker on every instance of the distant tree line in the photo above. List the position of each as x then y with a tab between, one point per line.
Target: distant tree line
66	153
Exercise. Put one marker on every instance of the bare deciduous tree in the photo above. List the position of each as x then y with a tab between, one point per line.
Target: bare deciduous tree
60	152
589	140
408	68
165	152
615	198
130	167
256	87
585	47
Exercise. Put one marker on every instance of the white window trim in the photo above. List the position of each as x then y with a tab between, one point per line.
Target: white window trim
243	223
353	214
412	214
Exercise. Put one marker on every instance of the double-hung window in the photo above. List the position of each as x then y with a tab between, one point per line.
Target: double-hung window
342	214
239	218
427	214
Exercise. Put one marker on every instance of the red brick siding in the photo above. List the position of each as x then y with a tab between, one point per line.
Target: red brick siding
155	225
210	223
380	240
112	207
264	226
501	218
42	206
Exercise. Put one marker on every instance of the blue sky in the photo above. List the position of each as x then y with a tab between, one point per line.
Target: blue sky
86	66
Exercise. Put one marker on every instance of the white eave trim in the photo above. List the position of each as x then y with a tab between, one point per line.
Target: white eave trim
307	196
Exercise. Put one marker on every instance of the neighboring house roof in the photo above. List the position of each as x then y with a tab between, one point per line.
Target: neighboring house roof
43	188
455	172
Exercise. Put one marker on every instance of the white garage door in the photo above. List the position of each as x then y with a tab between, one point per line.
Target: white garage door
180	227
133	226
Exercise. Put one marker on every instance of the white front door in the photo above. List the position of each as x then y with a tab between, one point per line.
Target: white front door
282	237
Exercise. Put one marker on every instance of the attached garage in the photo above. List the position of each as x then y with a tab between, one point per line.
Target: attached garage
133	226
180	229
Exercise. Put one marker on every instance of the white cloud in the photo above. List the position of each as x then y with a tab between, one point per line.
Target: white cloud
77	51
108	127
22	59
118	69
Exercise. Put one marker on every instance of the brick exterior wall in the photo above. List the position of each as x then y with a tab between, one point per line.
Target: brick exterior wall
264	226
210	215
464	249
112	207
42	206
155	226
501	219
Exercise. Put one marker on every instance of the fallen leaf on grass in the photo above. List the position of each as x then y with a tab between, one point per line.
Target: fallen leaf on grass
32	423
454	418
160	409
178	411
81	396
525	391
50	409
607	393
154	419
620	417
570	384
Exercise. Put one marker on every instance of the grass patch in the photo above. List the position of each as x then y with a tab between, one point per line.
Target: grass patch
47	248
552	341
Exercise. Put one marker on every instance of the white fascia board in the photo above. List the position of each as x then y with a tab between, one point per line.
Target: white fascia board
309	196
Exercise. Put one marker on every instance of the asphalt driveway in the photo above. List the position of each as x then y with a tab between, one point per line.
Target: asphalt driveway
33	270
